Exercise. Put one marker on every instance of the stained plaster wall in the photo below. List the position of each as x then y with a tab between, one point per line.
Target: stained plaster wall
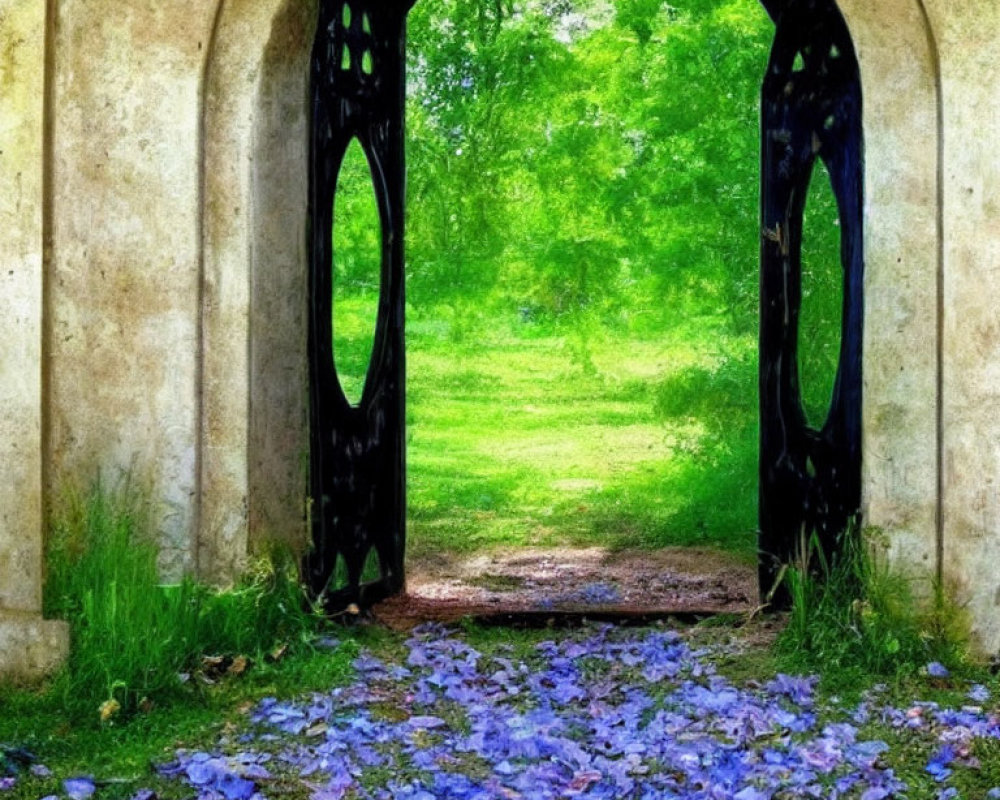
157	150
969	49
931	73
902	237
253	470
176	306
27	644
123	305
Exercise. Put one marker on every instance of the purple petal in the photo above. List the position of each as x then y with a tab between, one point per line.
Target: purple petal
202	773
79	788
426	722
233	787
937	670
979	693
750	793
938	764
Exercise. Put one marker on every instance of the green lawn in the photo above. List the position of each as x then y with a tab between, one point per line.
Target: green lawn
521	433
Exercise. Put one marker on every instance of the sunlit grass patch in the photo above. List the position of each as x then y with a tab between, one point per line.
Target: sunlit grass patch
515	442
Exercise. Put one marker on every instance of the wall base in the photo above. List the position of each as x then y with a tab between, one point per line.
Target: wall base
31	647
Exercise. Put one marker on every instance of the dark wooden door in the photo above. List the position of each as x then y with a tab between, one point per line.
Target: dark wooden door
357	459
810	478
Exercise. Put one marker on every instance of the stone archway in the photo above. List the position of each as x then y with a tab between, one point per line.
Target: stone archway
900	76
191	223
252	424
253	413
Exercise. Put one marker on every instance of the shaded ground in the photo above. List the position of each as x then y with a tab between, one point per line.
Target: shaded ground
595	580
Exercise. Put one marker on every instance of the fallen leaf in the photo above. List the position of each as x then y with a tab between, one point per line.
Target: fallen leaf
108	709
279	651
239	665
212	663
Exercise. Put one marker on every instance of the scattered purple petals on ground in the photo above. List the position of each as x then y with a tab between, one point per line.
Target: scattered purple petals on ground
938	766
610	713
217	776
598	594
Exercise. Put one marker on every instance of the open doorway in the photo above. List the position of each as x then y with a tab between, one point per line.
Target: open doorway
582	301
555	263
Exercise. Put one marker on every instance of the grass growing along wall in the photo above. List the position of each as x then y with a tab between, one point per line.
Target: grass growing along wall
131	636
853	617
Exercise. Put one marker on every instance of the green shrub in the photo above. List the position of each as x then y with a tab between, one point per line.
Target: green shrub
853	616
133	637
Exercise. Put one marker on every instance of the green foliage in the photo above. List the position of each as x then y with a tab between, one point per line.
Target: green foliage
131	636
715	393
514	441
357	251
561	159
638	16
822	296
853	617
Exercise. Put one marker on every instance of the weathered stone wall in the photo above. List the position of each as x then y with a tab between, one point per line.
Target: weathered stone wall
900	470
969	51
278	439
124	299
158	149
27	645
253	312
22	53
931	72
177	265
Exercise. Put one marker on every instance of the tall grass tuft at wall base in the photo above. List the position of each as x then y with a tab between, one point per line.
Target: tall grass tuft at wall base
854	617
133	638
